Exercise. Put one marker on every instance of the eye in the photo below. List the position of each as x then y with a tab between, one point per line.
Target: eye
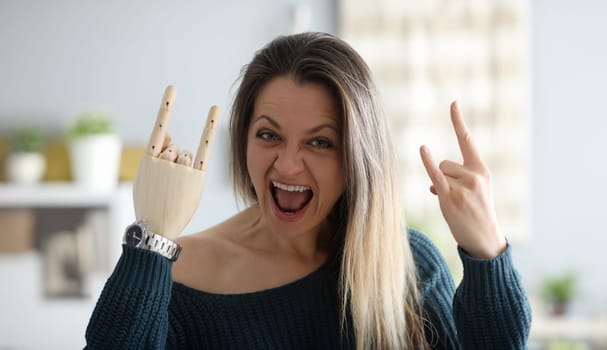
321	143
267	136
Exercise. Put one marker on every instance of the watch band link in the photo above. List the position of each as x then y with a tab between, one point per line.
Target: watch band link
162	245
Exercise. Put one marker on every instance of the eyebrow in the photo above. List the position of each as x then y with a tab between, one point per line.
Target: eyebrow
311	131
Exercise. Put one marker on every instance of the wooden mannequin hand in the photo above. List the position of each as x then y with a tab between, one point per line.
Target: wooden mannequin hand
464	194
167	189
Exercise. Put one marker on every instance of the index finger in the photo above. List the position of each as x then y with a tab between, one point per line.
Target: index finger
206	140
162	122
464	138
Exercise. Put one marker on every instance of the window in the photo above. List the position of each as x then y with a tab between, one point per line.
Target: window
424	54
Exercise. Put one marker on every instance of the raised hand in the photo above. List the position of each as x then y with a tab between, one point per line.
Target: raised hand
167	189
464	194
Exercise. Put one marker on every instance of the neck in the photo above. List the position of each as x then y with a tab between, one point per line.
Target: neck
307	246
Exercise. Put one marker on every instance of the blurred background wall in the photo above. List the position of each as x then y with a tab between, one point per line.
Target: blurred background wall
62	57
569	144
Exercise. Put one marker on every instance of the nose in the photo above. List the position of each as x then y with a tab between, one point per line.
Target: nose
289	161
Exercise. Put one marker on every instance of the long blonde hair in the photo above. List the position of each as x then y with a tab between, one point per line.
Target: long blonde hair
376	281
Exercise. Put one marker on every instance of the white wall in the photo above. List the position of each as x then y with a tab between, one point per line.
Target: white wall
58	58
569	144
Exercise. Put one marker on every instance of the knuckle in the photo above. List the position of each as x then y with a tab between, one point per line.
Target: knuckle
485	173
477	182
467	137
458	196
443	165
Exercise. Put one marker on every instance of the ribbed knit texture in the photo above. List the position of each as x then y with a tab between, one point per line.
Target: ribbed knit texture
489	310
132	311
141	308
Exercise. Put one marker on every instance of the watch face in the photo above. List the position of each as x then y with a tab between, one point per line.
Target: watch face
134	235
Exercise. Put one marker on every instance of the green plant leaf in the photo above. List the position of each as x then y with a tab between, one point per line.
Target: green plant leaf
560	289
26	139
90	123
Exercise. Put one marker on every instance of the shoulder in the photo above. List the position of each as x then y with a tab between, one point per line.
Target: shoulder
423	249
222	240
201	248
430	264
436	288
205	254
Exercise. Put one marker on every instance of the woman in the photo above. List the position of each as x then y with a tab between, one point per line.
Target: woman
319	259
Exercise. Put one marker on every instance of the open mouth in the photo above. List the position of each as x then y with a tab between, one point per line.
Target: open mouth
290	199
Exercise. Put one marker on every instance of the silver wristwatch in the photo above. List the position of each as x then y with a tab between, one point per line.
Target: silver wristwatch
139	236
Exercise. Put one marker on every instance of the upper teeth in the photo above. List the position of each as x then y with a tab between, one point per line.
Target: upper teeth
290	188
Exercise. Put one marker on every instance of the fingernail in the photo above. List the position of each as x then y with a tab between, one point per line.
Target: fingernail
456	106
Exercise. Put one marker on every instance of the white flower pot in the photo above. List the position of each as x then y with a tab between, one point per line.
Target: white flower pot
25	167
95	161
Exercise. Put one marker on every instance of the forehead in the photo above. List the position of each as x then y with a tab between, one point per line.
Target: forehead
284	96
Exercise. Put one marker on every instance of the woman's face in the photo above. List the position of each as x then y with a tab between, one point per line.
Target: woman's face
294	156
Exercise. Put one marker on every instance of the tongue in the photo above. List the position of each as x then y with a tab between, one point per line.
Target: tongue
291	201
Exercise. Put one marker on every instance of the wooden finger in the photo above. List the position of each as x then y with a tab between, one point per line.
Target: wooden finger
185	158
162	122
170	153
166	143
206	140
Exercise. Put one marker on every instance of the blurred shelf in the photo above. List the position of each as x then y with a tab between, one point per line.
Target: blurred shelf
577	328
117	204
57	194
24	306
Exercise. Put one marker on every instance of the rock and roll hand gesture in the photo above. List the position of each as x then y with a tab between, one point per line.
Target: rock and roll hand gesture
464	194
169	182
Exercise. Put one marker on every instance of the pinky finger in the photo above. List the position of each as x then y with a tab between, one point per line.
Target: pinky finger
439	182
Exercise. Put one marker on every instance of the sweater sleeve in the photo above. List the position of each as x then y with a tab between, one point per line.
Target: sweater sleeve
132	310
489	309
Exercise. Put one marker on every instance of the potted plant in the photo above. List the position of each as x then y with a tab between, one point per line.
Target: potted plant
25	163
558	292
94	150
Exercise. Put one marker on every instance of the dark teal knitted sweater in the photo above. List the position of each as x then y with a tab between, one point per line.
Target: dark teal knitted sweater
141	308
